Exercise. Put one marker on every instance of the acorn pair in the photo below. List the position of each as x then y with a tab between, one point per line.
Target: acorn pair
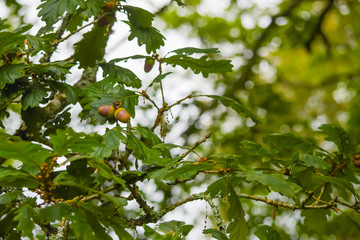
109	111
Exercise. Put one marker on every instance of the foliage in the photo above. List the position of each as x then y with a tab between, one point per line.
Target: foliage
57	182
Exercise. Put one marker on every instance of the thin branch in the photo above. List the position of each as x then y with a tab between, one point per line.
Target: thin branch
214	208
139	199
59	33
317	30
132	223
196	144
285	205
71	34
96	195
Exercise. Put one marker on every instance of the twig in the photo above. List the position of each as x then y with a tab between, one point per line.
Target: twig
71	34
139	199
96	195
59	33
132	223
196	144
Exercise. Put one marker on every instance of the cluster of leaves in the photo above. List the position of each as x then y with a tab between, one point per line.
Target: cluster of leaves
83	182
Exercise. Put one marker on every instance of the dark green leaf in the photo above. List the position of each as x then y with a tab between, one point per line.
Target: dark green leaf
33	118
32	155
11	177
93	8
312	161
256	150
265	232
111	141
192	50
25	220
57	70
34	97
53	9
288	140
175	226
91	47
139	17
338	136
237	106
147	155
199	65
276	182
10	40
86	225
9	197
187	171
122	75
150	36
218	188
340	182
9	73
316	219
216	234
60	121
105	171
238	228
159	78
66	141
54	213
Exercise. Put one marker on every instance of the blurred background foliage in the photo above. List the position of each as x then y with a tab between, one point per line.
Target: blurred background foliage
296	66
296	62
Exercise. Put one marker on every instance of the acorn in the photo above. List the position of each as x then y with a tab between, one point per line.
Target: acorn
106	111
356	160
106	20
149	63
122	115
109	7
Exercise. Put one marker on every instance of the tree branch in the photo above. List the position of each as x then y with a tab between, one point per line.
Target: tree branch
317	30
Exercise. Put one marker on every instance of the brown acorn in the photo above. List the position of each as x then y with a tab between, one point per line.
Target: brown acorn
122	115
106	20
106	111
149	63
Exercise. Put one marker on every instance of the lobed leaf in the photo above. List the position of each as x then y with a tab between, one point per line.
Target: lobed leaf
216	234
52	10
199	65
265	232
276	182
91	47
192	50
238	228
313	161
9	73
237	106
339	136
34	97
150	36
122	75
138	17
